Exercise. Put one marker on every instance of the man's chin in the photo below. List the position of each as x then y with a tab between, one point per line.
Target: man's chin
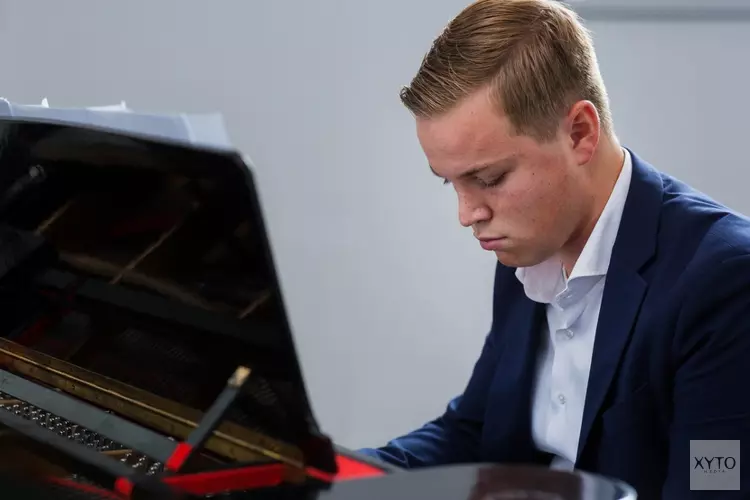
513	259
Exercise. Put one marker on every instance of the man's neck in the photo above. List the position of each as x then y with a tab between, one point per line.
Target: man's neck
604	169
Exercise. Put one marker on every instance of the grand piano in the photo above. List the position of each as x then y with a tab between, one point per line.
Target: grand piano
145	351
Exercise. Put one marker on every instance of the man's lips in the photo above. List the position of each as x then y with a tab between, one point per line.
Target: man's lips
492	243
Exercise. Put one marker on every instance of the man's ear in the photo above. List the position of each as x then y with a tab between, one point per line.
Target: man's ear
583	129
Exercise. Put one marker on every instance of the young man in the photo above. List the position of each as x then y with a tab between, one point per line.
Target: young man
621	323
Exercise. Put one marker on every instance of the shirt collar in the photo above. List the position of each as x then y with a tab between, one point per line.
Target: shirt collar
544	281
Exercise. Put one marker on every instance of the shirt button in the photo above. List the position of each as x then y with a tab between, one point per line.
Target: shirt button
561	398
565	299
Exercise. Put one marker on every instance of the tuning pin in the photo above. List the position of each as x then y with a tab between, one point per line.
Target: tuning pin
53	422
142	460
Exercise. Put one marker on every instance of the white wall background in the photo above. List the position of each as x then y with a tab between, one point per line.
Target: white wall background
389	297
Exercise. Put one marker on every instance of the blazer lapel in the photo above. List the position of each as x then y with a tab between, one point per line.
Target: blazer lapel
625	288
623	295
510	439
526	347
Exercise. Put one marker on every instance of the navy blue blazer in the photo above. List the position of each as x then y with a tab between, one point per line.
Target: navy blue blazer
671	358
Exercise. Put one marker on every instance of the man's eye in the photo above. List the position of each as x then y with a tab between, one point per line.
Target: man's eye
491	182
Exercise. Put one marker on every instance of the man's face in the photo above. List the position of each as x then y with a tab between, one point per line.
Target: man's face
524	199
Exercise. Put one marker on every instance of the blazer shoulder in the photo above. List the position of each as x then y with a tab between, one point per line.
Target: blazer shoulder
698	230
727	242
722	264
715	279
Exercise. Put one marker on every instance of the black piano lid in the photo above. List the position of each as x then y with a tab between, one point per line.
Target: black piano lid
147	261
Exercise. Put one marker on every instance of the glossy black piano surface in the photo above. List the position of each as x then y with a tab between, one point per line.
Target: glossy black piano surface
469	482
465	482
483	482
137	281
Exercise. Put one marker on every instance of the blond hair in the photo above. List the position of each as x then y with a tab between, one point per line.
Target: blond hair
535	57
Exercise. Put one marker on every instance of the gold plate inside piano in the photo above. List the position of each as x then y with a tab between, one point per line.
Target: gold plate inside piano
230	441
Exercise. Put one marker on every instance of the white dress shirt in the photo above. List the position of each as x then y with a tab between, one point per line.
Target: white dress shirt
568	335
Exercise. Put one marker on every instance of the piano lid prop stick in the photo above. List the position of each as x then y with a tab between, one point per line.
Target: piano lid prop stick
210	421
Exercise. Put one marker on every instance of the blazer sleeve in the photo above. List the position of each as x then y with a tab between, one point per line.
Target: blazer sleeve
711	395
454	437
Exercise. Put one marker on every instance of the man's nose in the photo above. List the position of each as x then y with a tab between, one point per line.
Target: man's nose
471	211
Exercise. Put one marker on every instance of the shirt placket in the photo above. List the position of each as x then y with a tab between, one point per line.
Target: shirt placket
567	309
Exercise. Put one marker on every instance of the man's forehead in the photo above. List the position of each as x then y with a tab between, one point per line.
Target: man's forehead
461	144
473	118
447	137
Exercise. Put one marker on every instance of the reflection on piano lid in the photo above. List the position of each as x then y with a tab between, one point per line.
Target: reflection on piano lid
464	482
484	482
